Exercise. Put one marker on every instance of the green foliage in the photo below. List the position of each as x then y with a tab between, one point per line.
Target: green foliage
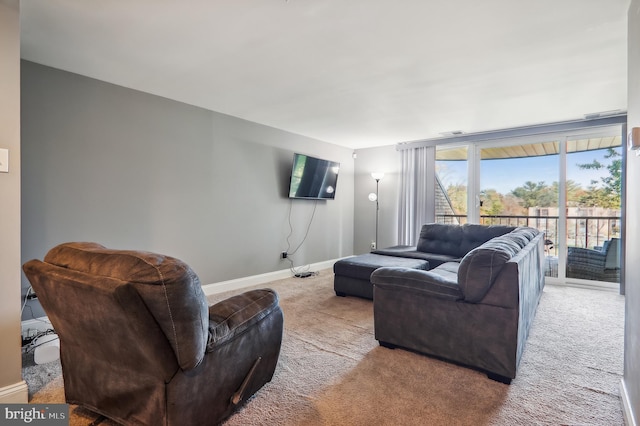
606	192
458	197
536	194
539	194
492	203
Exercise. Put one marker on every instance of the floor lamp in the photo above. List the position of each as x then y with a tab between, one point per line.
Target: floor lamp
374	197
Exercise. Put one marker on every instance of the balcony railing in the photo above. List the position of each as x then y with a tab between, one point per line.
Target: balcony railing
582	231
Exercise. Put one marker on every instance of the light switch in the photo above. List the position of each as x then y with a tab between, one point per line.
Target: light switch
4	160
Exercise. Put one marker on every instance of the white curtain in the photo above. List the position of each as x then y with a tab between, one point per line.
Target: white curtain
417	193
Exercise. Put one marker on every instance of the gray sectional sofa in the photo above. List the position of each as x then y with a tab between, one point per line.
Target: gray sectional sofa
438	243
475	304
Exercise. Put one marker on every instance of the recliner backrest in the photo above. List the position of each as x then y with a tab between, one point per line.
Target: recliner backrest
168	287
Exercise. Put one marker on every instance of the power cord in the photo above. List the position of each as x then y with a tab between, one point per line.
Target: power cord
30	343
302	271
29	295
315	205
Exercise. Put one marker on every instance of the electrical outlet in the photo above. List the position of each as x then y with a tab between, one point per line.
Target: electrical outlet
284	255
373	245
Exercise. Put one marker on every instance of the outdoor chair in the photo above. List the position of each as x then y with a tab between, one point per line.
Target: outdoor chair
600	263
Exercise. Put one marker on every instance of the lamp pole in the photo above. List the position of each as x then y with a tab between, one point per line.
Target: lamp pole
377	176
377	210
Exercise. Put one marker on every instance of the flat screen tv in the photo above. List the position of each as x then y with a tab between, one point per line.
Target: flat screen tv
313	178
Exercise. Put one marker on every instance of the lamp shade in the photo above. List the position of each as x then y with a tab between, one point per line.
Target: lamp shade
377	175
373	196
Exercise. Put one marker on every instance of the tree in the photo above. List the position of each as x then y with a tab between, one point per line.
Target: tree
491	203
606	191
574	192
458	197
512	206
531	194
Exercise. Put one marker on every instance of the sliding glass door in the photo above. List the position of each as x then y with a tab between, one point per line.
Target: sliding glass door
566	185
593	222
519	186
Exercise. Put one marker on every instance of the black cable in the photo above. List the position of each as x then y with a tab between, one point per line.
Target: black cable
315	205
29	344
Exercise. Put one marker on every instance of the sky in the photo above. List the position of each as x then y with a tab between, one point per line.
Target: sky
506	175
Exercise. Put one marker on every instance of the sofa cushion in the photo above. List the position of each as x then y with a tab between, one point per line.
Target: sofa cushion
439	282
519	239
456	240
612	249
448	270
474	235
527	232
362	266
481	266
409	252
440	238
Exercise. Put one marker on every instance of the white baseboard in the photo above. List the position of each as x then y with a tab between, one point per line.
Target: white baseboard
240	283
43	324
590	285
627	411
17	393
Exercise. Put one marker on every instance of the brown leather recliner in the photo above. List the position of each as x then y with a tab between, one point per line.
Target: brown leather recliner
139	343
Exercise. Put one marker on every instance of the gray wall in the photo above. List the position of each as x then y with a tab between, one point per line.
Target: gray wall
632	259
10	358
382	159
131	170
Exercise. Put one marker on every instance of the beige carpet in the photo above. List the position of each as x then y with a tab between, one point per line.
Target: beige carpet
332	372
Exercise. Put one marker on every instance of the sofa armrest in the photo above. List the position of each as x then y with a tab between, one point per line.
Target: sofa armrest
438	282
231	317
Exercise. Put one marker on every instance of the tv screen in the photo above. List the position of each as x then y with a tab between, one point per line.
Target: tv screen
313	178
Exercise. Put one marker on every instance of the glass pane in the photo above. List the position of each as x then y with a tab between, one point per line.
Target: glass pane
593	209
451	185
519	187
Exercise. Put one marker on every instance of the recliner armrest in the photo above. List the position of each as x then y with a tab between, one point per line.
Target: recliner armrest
231	317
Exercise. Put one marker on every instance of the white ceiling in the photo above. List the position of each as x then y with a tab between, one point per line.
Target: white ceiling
357	73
